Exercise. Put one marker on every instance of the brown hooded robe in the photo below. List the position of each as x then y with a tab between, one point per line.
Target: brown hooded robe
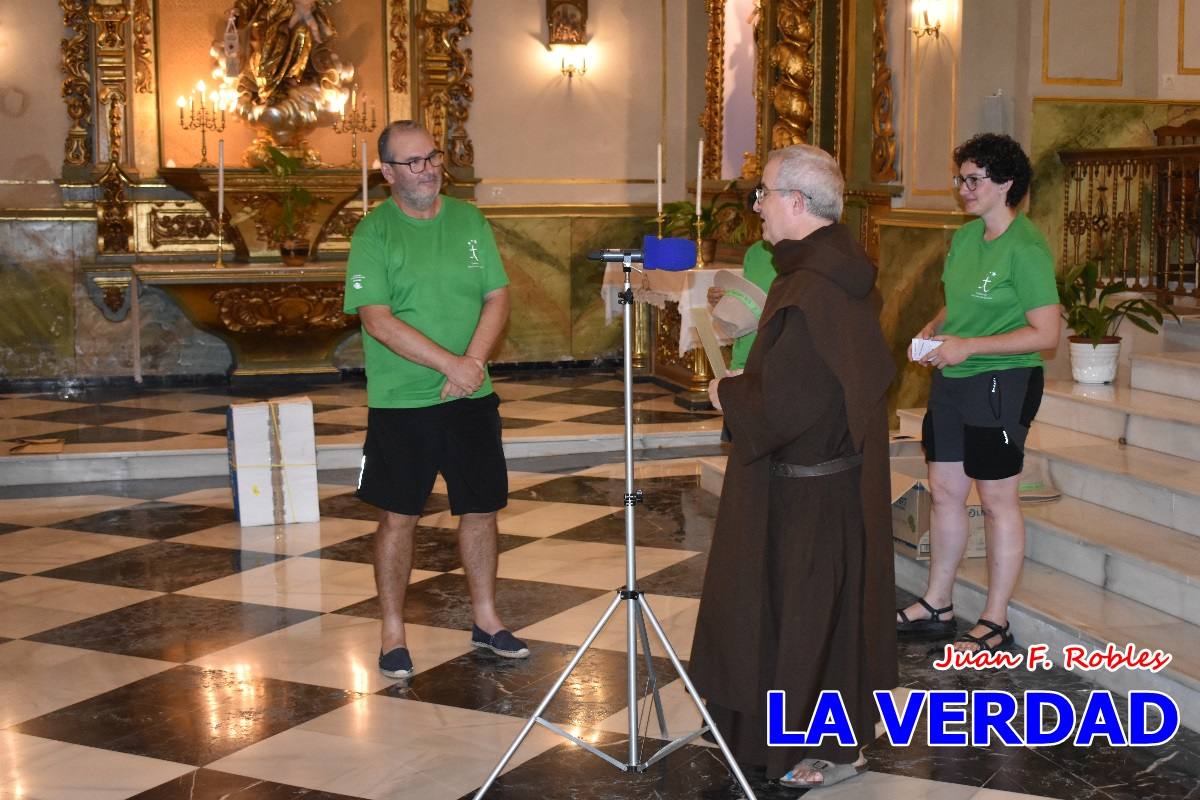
799	593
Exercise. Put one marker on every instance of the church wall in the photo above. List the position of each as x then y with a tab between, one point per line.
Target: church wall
32	114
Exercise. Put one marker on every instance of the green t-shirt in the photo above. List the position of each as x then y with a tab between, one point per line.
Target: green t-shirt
758	268
989	287
433	274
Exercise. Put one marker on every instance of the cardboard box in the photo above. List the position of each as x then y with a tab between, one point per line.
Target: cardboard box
273	462
911	503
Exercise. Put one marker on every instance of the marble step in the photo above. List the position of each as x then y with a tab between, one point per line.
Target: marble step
1153	486
1175	373
1052	607
1135	416
1149	563
1184	334
140	465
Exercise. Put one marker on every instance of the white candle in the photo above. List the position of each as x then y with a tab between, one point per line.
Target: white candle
220	184
658	179
363	159
699	172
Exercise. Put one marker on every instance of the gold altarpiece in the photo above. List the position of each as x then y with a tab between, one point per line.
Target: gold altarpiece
124	64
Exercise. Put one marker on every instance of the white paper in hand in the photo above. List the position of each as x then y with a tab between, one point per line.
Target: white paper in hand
923	347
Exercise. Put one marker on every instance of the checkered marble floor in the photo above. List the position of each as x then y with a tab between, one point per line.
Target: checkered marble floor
138	419
153	648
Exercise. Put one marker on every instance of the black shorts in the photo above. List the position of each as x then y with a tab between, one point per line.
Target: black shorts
982	420
406	448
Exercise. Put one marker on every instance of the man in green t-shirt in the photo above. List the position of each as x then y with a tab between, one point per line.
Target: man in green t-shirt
425	277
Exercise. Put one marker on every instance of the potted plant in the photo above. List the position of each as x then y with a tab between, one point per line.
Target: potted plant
680	220
289	226
1094	314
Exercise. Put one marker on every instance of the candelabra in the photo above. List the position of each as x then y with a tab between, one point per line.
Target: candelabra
354	121
699	243
205	118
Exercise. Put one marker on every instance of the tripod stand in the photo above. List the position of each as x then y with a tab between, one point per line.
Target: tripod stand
637	612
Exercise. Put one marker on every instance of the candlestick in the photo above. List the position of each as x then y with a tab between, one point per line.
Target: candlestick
354	122
658	181
203	119
363	159
220	202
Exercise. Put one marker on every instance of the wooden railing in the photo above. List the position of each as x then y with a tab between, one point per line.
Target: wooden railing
1137	212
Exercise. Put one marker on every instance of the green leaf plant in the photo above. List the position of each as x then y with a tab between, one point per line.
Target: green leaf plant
1090	310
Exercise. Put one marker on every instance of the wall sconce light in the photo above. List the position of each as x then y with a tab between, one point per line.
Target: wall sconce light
922	25
568	35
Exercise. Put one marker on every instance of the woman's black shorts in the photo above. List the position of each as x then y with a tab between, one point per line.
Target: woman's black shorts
406	448
982	420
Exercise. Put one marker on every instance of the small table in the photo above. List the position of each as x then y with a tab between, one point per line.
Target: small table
664	346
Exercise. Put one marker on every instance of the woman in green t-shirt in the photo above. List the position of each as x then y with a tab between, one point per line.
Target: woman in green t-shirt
1001	310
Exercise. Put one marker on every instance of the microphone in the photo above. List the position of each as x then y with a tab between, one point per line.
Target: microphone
671	253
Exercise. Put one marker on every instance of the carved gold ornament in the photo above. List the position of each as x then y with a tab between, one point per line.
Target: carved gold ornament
399	33
282	309
883	138
143	32
446	92
791	57
77	85
712	120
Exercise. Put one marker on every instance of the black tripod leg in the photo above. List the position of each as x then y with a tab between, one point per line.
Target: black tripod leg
653	678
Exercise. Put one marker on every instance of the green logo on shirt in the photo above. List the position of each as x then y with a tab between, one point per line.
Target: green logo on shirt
473	248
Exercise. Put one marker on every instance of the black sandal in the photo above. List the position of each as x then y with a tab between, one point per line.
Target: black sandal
927	626
1006	638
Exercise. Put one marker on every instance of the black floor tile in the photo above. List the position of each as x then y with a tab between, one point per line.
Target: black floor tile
692	772
513	423
210	783
163	566
152	520
685	579
482	681
187	714
444	602
659	492
101	434
348	506
643	416
173	627
7	528
435	549
613	398
8	576
333	429
685	524
98	415
555	379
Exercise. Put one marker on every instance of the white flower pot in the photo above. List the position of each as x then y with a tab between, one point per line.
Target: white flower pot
1094	363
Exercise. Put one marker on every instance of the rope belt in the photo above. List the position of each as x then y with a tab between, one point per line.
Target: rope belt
816	470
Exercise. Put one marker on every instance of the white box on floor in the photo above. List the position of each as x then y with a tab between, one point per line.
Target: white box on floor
911	503
273	462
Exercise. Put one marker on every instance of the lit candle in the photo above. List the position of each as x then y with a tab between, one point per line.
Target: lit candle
699	172
181	104
658	179
220	184
363	153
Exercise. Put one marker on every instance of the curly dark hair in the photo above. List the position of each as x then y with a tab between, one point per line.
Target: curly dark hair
1003	160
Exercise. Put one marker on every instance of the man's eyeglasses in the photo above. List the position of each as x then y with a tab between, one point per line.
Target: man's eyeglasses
761	192
972	181
418	165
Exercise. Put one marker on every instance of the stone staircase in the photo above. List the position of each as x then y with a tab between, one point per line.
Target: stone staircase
1117	559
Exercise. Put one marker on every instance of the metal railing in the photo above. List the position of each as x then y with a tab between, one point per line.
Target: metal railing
1136	211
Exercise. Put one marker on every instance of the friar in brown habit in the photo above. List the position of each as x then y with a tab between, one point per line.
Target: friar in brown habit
800	584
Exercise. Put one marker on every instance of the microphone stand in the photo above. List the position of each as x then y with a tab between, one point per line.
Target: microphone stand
637	612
